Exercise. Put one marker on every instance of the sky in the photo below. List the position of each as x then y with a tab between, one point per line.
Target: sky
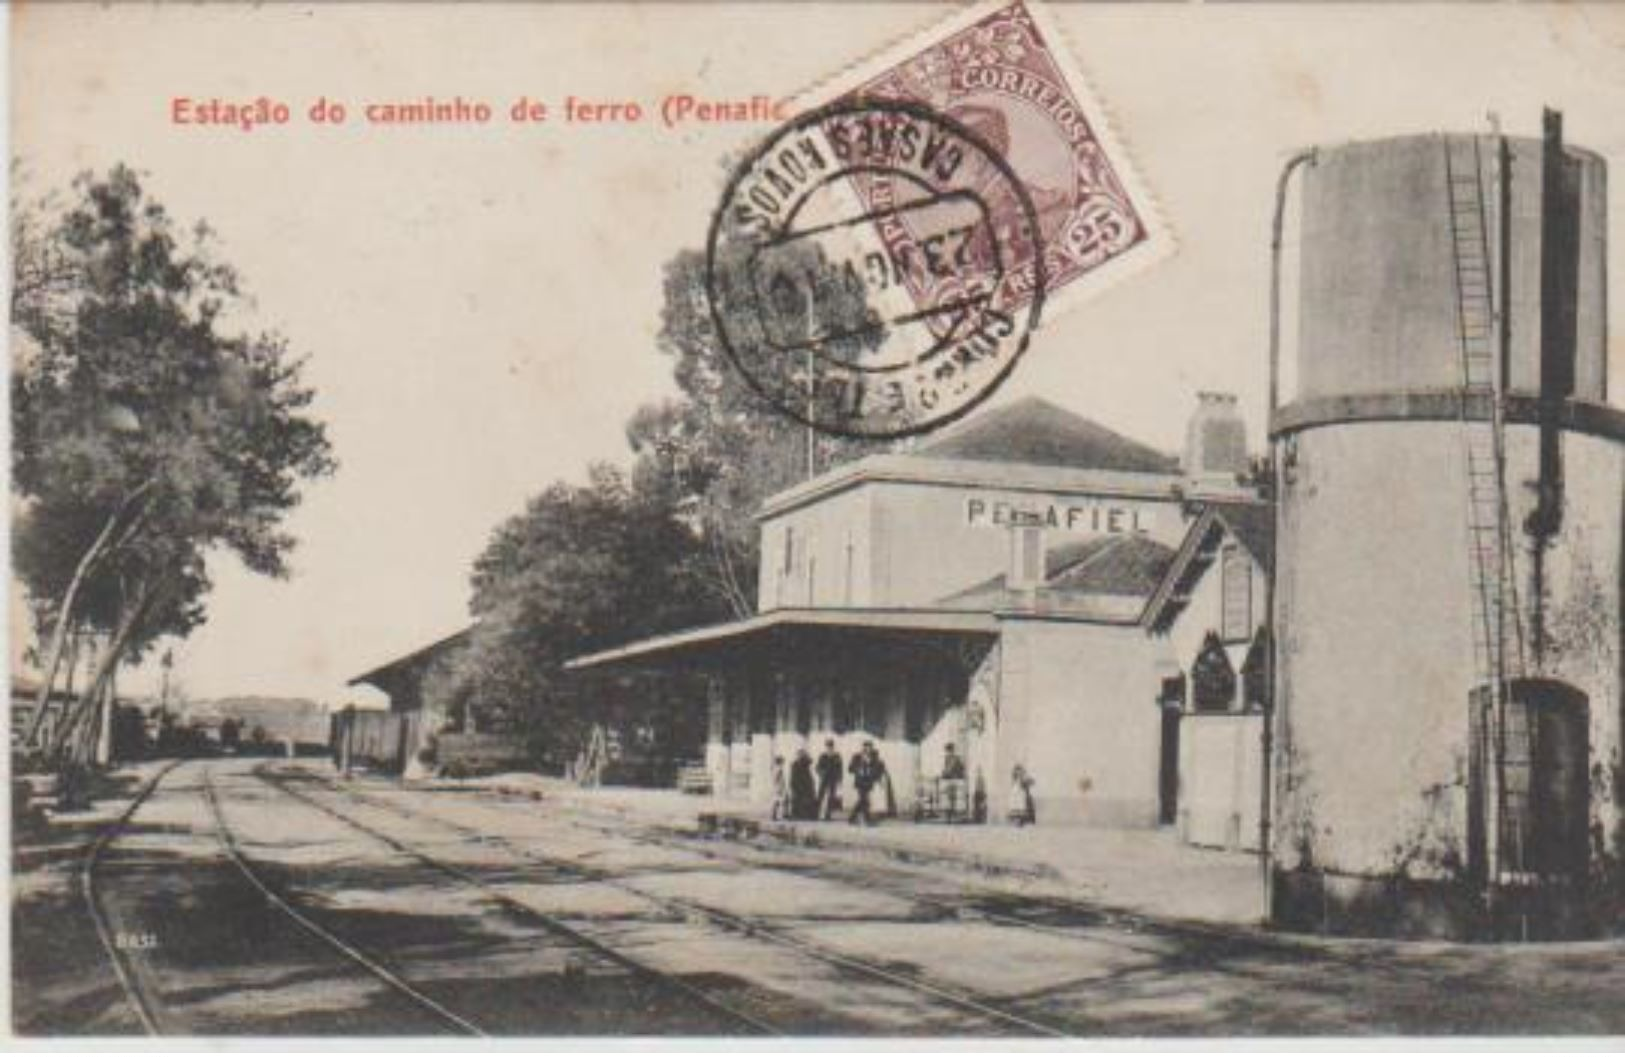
479	305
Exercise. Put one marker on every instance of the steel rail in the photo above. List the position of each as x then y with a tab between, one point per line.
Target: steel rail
740	857
547	921
229	841
752	927
142	1004
1183	929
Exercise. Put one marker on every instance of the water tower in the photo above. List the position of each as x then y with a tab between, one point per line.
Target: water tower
1447	738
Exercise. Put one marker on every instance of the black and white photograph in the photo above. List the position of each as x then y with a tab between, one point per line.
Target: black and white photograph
1076	523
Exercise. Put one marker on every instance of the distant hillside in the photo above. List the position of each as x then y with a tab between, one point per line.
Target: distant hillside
282	717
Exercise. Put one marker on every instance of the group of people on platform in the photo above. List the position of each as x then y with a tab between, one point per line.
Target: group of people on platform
811	790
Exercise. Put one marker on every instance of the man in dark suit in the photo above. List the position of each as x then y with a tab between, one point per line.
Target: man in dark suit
829	778
867	772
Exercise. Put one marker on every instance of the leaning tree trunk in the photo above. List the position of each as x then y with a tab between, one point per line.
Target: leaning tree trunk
70	598
75	747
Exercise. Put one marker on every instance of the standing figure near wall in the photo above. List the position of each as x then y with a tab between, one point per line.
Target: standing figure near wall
868	771
829	779
1022	810
781	790
954	786
803	792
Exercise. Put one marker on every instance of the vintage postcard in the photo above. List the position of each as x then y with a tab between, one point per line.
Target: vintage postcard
1026	521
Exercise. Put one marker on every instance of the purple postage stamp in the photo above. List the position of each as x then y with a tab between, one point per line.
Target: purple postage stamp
1000	70
877	266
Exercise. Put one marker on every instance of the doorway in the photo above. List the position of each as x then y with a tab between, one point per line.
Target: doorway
1541	762
1171	703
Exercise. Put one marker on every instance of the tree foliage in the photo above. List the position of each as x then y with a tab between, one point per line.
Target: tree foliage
721	444
145	434
583	568
670	544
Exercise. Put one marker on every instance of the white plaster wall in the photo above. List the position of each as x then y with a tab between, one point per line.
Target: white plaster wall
924	549
1220	775
1376	659
822	533
1078	710
1375	654
1586	578
910	544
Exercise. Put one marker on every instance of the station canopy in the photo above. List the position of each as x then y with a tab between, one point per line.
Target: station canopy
801	637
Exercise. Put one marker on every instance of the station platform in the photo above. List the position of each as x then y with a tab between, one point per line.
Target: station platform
1145	872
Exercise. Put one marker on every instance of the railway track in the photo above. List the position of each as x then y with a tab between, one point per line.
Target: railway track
347	951
902	884
138	987
131	985
1132	927
727	1011
989	1011
1128	931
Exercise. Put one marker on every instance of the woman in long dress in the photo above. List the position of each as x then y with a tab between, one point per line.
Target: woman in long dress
803	789
1022	812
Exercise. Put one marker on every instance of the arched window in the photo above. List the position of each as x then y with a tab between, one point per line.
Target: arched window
1213	680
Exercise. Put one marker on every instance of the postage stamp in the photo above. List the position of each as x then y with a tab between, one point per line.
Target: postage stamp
1001	69
874	269
877	266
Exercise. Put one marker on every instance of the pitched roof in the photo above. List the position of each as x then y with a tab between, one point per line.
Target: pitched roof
1250	524
1038	433
1253	525
1106	576
1115	565
418	658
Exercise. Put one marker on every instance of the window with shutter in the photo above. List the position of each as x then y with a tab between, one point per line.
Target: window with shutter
1236	619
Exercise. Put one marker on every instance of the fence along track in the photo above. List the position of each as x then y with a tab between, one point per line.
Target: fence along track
135	993
547	921
753	927
229	841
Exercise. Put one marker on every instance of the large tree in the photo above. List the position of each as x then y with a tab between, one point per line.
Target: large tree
669	545
145	433
723	446
583	568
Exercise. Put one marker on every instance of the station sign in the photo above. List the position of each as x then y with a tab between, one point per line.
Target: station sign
1083	517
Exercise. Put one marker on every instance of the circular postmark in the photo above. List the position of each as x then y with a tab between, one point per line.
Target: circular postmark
874	269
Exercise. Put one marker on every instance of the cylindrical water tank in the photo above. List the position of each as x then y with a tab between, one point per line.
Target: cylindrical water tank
1377	288
1379	802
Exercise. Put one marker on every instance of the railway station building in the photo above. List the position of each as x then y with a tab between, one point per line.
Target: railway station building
1027	586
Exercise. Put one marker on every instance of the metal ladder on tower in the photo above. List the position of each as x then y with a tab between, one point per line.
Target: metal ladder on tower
1497	629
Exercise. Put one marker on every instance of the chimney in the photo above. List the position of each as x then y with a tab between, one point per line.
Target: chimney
1027	559
1215	441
